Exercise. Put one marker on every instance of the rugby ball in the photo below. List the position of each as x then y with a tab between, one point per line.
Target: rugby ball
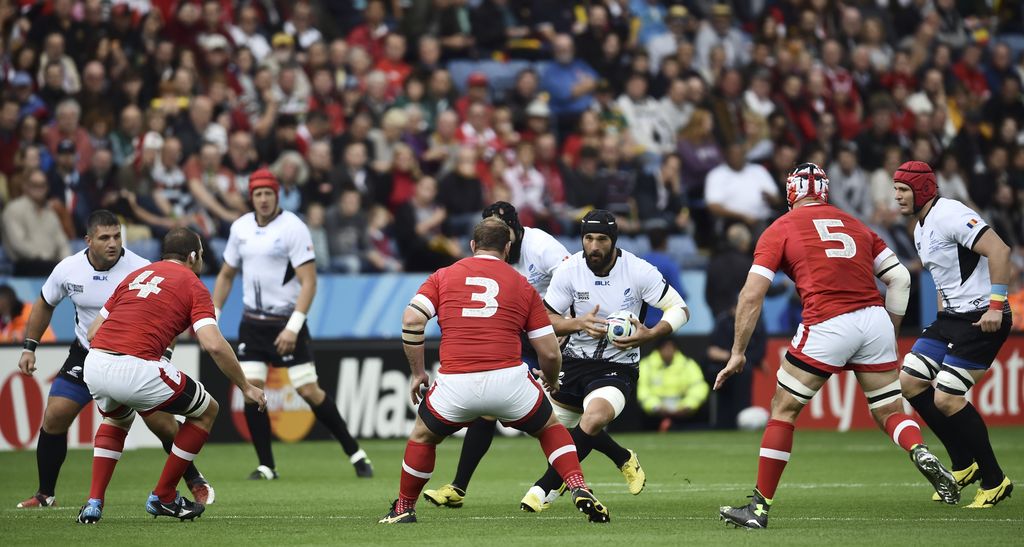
752	418
620	325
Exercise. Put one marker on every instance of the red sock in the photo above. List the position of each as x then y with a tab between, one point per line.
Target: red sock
106	451
561	453
187	443
776	446
904	431
417	467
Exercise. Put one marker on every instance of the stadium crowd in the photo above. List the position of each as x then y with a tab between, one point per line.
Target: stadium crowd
390	124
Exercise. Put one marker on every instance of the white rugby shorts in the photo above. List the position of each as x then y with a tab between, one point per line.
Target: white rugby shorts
862	340
119	381
510	394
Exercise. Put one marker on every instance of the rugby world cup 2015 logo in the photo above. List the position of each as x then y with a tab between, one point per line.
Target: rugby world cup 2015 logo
290	417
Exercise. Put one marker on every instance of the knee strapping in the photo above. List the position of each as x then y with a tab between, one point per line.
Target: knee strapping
953	380
300	375
920	366
884	395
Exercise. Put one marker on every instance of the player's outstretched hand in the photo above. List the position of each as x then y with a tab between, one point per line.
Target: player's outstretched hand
595	326
640	335
417	382
990	321
285	342
27	363
734	366
550	387
254	394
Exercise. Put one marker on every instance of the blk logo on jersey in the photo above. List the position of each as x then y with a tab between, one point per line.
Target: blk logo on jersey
603	283
99	278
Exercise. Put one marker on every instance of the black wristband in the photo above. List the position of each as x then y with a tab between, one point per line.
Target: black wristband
168	353
30	344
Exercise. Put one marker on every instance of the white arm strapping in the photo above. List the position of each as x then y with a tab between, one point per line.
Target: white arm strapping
676	314
897	278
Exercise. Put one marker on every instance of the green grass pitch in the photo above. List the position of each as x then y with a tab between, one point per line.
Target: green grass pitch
840	489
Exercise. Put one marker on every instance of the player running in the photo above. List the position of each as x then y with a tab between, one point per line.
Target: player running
971	268
482	306
88	278
125	372
274	250
596	379
833	258
535	255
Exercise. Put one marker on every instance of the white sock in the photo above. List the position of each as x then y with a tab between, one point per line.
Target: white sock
359	455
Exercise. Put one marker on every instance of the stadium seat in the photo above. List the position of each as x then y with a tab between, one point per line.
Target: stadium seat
146	248
6	267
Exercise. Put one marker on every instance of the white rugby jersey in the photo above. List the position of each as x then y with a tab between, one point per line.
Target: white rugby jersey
944	242
539	256
88	288
268	257
632	284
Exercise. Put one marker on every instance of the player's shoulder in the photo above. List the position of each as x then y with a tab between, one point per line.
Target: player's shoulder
75	262
946	208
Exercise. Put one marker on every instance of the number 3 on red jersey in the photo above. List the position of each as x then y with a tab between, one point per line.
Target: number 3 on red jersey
488	296
144	287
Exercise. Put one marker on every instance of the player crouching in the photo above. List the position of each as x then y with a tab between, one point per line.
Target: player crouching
125	374
483	305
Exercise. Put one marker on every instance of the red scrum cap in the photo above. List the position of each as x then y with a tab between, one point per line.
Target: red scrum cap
920	178
263	178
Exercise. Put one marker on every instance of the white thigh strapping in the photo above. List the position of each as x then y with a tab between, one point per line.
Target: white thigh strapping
300	375
613	395
255	370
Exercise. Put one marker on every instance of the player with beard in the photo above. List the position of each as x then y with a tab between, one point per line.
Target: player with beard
597	376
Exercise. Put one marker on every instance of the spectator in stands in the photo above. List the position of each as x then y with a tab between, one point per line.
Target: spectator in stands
442	146
9	142
346	227
418	231
54	52
126	140
388	138
14	314
66	127
98	186
400	180
241	160
246	34
585	189
461	194
213	187
738	191
848	186
370	35
727	269
170	187
393	64
66	188
300	26
671	388
33	235
720	32
661	198
1004	216
198	126
355	173
619	173
674	109
648	129
291	171
698	152
30	104
570	83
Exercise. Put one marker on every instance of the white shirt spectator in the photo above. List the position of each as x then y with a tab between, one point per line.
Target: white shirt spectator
526	186
646	125
850	191
741	191
675	116
256	42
